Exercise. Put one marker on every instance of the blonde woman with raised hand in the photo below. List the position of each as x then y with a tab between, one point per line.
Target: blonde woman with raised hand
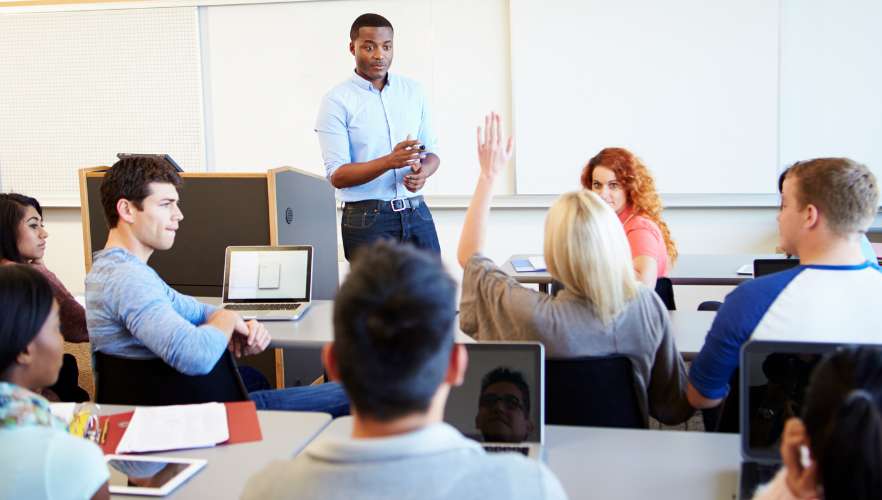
603	310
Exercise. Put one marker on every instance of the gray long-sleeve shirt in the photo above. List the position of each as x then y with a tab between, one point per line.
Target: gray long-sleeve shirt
496	307
132	313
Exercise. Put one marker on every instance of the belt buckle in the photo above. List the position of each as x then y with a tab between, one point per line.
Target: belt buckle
400	206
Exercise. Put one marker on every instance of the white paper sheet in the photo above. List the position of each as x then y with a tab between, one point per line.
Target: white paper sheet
64	411
175	427
746	269
538	263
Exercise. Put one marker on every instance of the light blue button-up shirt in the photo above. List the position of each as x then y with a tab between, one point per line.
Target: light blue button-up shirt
358	123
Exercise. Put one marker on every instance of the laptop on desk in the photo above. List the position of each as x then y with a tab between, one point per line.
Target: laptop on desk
501	403
773	380
268	283
762	267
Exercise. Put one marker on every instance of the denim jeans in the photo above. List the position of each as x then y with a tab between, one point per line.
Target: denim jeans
365	222
328	398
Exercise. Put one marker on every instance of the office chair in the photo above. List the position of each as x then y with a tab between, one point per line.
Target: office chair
664	288
727	416
592	391
152	382
710	305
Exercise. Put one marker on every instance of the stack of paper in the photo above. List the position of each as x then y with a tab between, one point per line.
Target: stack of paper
178	427
538	263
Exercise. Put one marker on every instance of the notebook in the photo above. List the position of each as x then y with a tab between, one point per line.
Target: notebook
773	379
501	403
267	282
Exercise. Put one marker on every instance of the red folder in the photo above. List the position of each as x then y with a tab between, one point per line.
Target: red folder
241	419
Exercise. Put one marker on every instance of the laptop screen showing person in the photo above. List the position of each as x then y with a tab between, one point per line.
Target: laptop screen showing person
501	399
268	274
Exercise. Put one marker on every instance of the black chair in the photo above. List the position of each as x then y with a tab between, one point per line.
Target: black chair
710	305
592	391
152	382
664	288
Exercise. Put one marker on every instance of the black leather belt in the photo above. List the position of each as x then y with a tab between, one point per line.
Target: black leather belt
396	205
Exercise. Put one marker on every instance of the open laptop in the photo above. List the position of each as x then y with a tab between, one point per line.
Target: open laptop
268	283
502	417
774	376
762	267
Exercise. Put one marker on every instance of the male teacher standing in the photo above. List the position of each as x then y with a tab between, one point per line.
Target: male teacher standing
378	145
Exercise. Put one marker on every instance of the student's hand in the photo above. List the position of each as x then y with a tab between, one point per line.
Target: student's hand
491	154
801	480
249	338
405	154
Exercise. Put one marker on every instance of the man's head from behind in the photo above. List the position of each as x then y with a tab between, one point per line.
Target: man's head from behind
141	194
393	332
504	407
825	198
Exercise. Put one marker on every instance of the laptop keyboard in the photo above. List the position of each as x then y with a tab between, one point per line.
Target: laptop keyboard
753	475
261	307
523	450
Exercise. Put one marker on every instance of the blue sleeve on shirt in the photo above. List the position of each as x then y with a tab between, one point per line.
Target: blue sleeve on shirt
732	327
163	320
333	134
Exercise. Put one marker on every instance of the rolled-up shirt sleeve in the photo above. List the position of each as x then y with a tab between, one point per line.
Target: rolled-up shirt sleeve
333	136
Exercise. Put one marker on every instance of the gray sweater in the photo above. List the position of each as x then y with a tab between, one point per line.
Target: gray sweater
496	307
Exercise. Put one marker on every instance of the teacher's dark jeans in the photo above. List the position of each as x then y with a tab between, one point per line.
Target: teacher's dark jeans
367	221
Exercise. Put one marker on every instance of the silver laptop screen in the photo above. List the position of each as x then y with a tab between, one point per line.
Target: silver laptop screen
268	275
500	399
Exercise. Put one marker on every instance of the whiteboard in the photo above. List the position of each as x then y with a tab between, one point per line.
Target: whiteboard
831	80
79	87
690	86
267	67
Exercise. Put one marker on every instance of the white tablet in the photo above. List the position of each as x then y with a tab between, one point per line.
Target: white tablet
150	475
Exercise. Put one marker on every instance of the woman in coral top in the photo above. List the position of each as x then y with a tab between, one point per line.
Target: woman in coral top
624	182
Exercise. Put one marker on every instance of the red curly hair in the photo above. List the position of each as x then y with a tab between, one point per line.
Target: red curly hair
638	184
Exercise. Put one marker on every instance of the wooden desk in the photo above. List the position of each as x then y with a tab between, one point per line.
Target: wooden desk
595	462
692	269
285	433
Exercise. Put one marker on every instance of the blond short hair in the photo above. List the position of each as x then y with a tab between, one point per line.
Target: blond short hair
586	250
844	191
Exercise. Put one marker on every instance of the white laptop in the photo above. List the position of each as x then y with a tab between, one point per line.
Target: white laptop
501	402
268	283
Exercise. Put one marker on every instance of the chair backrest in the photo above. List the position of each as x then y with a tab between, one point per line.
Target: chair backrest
152	382
664	287
592	391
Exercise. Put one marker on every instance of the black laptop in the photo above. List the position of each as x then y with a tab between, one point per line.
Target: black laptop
774	376
762	267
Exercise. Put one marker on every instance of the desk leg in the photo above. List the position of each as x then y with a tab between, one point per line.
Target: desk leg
280	367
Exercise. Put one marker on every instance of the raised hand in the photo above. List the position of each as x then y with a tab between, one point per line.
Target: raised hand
491	154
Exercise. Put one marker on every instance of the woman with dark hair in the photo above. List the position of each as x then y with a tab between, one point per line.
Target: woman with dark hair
38	457
23	241
835	451
624	182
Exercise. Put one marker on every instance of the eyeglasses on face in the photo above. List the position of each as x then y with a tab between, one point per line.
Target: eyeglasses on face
511	402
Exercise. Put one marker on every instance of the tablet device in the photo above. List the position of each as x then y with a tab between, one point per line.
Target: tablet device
150	475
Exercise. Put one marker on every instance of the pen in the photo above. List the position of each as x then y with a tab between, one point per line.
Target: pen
104	431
